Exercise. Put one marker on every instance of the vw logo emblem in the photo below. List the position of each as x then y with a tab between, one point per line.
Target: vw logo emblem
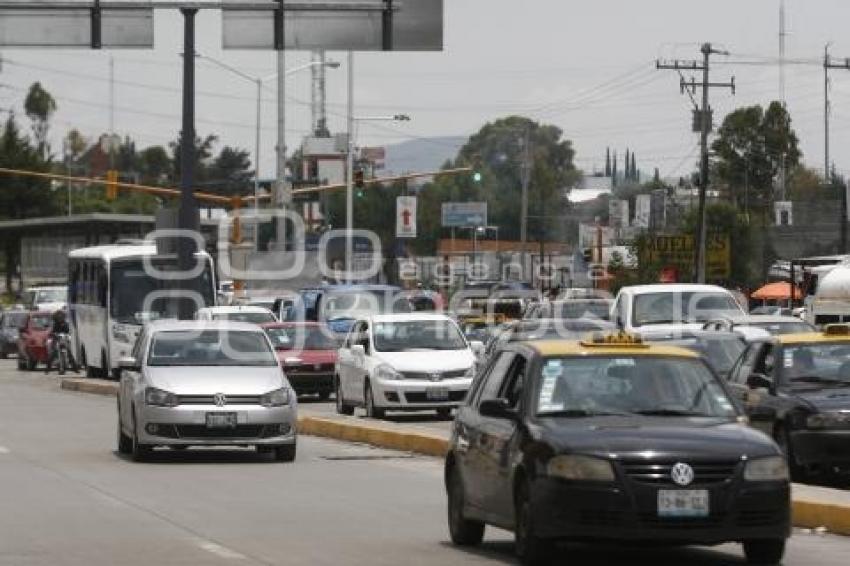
682	474
436	376
220	400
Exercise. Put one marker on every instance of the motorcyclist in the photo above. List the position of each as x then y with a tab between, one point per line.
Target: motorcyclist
60	326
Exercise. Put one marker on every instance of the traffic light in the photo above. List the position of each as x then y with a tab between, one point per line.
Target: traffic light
359	180
476	176
111	184
587	255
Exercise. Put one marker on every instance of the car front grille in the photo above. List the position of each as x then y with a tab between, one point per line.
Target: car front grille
310	369
210	399
658	473
454	397
434	376
202	432
652	520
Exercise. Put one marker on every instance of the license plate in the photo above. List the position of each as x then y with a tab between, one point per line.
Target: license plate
437	394
683	503
221	420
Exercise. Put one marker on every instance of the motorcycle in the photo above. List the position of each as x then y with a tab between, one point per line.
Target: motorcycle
62	345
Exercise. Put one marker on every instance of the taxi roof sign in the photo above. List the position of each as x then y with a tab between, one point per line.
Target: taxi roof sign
836	330
623	339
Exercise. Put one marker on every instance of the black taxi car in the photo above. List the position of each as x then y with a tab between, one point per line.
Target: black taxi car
796	387
612	439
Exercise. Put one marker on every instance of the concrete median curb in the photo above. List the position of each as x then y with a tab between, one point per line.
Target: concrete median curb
812	507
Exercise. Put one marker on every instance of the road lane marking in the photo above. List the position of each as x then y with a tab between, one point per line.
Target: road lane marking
219	550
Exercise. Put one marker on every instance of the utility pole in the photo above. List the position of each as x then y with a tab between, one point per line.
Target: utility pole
349	173
111	112
188	218
703	124
827	108
526	179
282	192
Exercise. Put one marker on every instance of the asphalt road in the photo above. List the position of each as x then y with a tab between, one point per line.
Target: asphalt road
66	498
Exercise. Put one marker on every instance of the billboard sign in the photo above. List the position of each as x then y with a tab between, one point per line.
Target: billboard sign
75	23
344	25
464	214
405	224
679	252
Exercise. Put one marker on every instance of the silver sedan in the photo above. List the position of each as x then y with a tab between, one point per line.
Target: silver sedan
203	383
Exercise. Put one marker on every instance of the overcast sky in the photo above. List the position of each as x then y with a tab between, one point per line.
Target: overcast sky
584	65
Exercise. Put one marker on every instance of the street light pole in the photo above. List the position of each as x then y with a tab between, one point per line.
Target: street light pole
282	193
257	142
349	173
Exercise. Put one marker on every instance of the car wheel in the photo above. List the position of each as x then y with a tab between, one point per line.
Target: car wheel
140	452
530	548
372	411
444	412
31	363
84	362
463	531
3	354
125	443
764	552
21	362
285	453
324	396
341	407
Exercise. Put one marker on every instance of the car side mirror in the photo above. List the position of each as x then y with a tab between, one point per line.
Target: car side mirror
497	409
762	413
759	381
129	364
358	350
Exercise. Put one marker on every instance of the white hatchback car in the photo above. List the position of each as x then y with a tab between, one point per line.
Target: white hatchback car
237	313
200	383
404	362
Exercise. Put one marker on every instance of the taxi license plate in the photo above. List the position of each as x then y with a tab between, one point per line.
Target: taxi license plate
683	503
221	420
437	394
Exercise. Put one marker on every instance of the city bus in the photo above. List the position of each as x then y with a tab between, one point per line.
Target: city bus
114	289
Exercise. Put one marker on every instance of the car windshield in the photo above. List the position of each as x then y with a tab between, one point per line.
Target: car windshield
631	385
210	348
816	364
300	338
51	296
779	328
582	309
252	317
417	335
357	304
41	322
720	353
675	307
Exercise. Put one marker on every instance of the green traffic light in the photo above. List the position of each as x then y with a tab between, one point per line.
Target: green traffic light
476	176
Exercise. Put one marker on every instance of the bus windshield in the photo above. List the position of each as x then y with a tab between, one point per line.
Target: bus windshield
137	295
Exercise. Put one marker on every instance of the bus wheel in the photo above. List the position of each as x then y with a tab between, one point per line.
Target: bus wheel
104	366
84	361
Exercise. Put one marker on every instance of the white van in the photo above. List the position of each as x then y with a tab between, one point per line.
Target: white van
671	307
831	300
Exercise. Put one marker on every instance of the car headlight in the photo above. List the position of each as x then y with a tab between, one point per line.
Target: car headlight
828	420
160	398
574	467
387	373
470	373
773	468
121	334
276	398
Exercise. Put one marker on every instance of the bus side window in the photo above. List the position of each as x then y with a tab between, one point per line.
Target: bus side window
73	281
101	284
88	278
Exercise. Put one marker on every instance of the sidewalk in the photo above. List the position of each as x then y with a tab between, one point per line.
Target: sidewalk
813	507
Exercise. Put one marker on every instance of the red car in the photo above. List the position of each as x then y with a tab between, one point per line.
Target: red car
307	351
32	339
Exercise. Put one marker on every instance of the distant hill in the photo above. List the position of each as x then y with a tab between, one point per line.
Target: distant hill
424	154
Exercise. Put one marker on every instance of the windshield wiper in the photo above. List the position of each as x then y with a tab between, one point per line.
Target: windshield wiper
670	413
820	379
578	413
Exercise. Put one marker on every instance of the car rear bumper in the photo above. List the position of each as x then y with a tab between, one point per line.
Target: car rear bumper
581	512
256	425
827	448
306	383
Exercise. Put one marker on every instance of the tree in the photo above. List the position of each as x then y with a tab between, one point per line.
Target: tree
40	107
752	148
155	165
203	154
725	219
75	144
230	173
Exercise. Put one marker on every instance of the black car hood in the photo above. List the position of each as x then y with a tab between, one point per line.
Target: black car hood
831	399
663	436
